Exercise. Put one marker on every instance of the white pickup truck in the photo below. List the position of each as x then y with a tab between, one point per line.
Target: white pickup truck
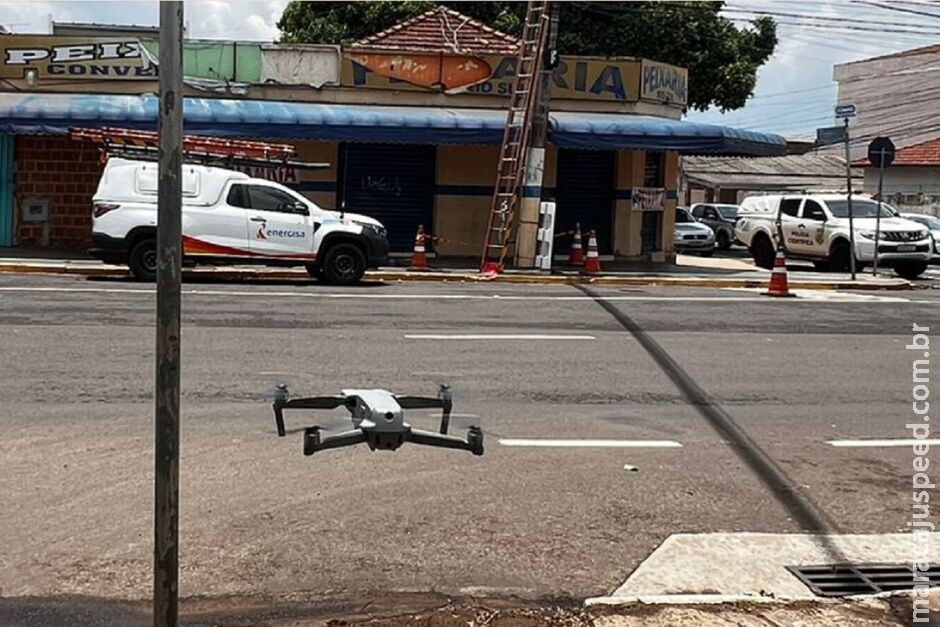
816	228
229	217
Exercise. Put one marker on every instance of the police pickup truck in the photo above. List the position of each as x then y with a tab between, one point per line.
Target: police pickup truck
816	227
229	217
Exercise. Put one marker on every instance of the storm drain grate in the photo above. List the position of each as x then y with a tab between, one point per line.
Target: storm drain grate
842	580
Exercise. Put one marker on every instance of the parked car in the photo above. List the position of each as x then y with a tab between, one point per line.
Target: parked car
932	223
816	227
692	236
720	218
229	217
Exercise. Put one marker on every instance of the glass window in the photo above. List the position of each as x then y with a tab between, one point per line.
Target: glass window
683	216
269	199
711	214
728	212
813	211
790	206
861	208
697	210
236	196
930	222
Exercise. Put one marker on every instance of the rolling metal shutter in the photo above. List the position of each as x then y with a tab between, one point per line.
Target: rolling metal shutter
393	183
584	192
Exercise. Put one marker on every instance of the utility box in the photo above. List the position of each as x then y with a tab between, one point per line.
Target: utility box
546	236
35	210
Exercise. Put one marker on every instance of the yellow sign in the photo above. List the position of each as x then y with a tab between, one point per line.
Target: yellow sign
664	83
576	78
74	57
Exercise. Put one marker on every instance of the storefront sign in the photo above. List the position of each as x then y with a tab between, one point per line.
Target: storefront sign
664	83
280	174
576	78
74	57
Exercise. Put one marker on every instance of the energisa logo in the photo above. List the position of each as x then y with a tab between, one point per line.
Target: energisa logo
264	233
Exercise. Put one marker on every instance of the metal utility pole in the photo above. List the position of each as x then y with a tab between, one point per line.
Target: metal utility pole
169	263
848	179
535	161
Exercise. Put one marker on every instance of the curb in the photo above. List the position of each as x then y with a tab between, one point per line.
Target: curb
444	277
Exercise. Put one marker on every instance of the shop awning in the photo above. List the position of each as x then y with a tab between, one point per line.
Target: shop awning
56	113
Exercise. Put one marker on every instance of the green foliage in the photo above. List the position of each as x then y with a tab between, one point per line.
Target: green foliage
722	60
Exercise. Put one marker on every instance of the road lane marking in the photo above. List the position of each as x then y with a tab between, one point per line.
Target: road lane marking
495	336
875	443
548	443
811	296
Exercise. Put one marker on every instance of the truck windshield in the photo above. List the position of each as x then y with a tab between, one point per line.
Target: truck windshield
860	208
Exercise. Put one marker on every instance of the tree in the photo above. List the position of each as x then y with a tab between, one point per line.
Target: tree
722	60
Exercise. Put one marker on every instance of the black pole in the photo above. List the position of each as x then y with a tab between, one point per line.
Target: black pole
169	262
881	176
848	179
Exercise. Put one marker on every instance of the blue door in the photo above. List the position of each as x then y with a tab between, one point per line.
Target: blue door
7	189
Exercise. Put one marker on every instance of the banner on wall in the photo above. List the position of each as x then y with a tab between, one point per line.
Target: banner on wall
648	198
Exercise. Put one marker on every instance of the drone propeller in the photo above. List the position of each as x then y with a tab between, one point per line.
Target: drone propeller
283	390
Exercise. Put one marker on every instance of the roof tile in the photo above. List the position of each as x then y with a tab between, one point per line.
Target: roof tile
924	154
442	30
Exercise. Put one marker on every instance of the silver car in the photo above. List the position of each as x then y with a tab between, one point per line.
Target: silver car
690	235
933	224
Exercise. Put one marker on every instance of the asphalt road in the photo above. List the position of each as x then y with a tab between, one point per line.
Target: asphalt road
752	388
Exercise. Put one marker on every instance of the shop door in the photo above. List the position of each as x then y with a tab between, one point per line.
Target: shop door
584	192
393	183
7	189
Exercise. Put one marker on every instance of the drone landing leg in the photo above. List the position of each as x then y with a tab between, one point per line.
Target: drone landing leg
313	443
474	443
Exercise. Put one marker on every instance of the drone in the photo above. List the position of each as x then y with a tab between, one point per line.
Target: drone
378	420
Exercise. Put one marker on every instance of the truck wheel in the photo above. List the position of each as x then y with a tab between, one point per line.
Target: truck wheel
821	266
143	260
723	240
344	264
314	271
839	257
910	269
762	250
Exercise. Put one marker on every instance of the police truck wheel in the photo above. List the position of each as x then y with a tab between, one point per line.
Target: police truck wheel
910	269
762	250
344	264
839	257
143	260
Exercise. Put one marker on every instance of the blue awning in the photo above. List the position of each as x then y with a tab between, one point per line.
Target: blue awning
56	113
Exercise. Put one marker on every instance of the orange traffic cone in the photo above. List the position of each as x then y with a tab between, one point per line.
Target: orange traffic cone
419	261
592	265
779	285
575	257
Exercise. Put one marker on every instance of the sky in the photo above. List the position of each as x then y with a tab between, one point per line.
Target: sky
794	95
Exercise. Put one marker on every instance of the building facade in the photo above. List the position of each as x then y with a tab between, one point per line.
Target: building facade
409	124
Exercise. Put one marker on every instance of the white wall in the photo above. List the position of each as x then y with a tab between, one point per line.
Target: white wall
908	188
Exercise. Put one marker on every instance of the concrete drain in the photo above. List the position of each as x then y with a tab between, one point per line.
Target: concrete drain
842	580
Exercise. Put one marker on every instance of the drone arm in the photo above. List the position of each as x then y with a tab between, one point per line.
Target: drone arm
429	438
309	402
420	402
313	443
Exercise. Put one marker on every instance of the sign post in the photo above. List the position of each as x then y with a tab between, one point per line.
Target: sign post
846	112
880	153
169	263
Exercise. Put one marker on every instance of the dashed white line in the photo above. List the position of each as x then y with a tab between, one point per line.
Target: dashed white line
496	336
547	443
876	443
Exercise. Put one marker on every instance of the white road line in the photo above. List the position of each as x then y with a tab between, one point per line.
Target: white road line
496	336
882	443
545	443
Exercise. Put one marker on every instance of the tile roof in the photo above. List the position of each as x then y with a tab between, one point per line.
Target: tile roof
442	30
912	52
924	154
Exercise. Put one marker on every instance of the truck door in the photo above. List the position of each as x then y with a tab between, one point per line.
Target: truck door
279	223
211	230
789	216
810	233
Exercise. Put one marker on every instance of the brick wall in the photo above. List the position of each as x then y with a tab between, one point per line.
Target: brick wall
65	173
